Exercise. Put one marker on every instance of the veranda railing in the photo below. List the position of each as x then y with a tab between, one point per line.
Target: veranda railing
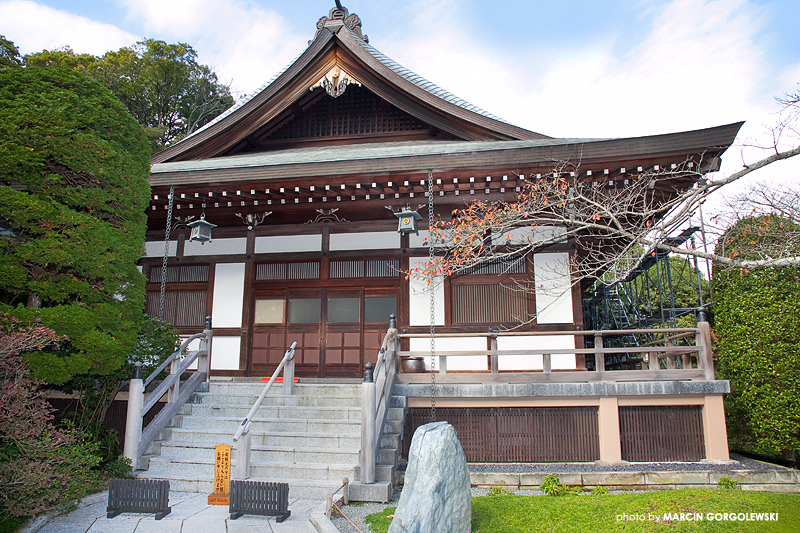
691	359
138	439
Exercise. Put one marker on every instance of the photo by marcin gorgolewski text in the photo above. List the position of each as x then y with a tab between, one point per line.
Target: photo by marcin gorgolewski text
698	517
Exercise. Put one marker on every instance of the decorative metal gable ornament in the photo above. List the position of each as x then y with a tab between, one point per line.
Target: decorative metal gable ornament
408	221
335	81
337	17
201	230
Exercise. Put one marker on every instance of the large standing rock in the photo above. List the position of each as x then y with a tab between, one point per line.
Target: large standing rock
436	496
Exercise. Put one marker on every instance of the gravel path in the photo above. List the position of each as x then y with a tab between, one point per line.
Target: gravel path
359	511
738	463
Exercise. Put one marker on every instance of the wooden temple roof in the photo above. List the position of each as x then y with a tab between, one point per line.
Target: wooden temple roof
268	149
448	157
339	47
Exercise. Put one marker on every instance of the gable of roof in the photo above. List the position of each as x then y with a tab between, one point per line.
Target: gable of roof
339	50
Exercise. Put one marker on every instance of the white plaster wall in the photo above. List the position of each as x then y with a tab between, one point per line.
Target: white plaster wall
228	295
194	345
529	235
288	243
225	352
156	248
418	241
553	288
534	361
419	303
371	240
457	362
234	246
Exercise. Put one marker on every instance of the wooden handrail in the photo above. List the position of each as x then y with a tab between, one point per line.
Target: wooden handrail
177	353
375	394
385	372
138	439
244	427
242	435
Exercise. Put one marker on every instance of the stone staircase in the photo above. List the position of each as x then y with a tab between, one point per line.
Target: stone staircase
310	439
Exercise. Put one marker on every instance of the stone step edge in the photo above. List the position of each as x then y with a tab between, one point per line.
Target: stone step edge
272	419
228	435
320	483
210	463
260	447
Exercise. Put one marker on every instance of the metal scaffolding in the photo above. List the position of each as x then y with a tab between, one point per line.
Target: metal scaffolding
645	298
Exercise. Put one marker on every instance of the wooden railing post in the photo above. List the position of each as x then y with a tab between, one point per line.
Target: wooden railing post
173	392
368	426
288	377
670	357
547	365
242	468
494	359
652	361
204	360
599	356
133	422
705	358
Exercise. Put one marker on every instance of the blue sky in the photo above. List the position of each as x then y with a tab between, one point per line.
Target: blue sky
569	69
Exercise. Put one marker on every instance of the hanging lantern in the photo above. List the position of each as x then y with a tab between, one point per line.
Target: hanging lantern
408	221
201	230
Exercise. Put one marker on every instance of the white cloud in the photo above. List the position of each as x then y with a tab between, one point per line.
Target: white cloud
699	64
244	43
34	27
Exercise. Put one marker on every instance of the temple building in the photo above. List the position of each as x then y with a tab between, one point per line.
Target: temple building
304	180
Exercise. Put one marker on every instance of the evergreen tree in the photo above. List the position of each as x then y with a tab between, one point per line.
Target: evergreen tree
73	192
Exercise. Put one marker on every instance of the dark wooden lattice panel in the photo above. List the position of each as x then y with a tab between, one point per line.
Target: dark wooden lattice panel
260	498
517	434
662	433
488	303
181	274
356	112
290	271
138	496
181	308
379	268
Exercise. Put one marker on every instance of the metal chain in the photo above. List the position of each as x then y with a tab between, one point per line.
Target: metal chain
163	295
432	296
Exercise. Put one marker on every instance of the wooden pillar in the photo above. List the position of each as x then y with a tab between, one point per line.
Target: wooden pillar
714	429
368	429
608	425
133	422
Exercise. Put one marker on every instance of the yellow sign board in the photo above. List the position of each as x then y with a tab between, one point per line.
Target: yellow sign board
222	476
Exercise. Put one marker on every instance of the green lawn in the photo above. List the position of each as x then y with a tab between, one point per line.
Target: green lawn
626	512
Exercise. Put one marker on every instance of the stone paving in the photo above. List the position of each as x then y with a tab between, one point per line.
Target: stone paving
190	514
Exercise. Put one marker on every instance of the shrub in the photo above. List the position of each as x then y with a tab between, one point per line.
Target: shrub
757	328
500	491
41	466
726	483
552	486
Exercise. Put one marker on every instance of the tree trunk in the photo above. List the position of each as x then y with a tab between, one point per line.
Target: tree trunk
34	300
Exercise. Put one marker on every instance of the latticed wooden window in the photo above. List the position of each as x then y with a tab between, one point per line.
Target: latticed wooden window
489	303
287	271
182	308
181	274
